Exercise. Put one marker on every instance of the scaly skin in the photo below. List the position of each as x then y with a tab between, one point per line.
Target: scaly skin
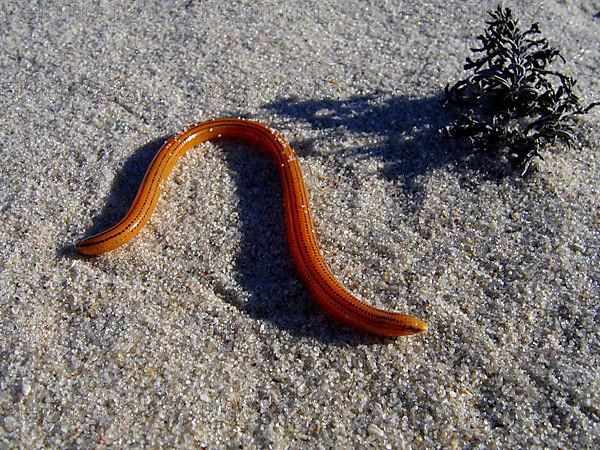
333	297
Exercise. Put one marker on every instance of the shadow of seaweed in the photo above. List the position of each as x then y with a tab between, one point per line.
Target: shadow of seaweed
412	143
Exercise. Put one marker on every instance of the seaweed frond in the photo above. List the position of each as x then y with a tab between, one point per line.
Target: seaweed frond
516	103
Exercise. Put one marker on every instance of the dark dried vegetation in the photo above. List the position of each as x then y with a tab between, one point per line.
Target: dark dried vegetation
516	104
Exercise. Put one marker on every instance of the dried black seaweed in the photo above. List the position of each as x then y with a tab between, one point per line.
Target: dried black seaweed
517	105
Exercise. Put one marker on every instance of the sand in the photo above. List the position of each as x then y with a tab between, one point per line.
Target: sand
198	333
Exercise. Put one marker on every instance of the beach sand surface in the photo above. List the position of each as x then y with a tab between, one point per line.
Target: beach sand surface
198	333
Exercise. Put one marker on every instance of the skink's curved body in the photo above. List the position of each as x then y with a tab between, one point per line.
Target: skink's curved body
313	270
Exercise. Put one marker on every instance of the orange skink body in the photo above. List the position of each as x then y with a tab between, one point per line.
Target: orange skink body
333	297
